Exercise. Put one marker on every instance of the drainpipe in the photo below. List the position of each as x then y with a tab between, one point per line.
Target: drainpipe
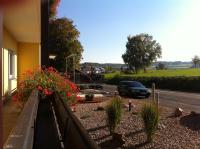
1	85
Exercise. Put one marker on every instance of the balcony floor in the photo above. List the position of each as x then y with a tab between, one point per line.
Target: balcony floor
10	116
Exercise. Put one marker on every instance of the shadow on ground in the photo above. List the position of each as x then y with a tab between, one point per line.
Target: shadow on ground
191	121
108	144
136	146
96	128
134	133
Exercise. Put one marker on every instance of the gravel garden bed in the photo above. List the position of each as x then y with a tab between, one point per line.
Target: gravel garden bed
172	133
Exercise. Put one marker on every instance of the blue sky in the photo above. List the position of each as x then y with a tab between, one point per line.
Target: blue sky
105	24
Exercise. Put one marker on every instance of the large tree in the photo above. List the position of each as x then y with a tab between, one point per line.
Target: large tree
63	41
196	60
141	51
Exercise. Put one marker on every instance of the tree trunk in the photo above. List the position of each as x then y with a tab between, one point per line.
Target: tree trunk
145	71
136	70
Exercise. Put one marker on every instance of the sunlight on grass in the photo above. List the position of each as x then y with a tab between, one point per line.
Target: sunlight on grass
160	73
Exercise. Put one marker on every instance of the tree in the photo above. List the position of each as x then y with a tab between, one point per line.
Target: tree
63	41
196	60
141	51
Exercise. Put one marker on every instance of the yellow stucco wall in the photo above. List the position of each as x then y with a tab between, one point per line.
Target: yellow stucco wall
28	57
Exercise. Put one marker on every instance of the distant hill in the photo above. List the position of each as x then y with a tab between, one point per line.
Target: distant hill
169	64
113	65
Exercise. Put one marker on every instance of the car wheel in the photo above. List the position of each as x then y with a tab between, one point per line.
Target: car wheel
120	94
147	96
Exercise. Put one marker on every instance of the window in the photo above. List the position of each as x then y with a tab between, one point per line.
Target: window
11	58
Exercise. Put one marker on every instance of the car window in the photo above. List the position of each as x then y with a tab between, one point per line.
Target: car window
135	84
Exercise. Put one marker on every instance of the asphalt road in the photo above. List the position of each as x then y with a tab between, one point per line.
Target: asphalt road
187	101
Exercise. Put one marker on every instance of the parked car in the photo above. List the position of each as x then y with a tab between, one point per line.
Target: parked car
133	89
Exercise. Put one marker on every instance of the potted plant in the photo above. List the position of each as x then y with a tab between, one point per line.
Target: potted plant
89	97
46	81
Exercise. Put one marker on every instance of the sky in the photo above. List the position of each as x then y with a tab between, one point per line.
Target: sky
104	26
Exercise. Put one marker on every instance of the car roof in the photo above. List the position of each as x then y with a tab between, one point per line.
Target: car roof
129	82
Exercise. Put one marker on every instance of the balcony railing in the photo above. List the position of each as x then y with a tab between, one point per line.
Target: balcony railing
48	124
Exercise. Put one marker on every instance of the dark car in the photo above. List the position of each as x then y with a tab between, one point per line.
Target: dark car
133	89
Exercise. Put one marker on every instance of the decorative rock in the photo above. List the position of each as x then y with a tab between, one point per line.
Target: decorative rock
161	126
178	112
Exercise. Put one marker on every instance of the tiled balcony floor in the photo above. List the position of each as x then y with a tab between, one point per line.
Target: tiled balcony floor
10	115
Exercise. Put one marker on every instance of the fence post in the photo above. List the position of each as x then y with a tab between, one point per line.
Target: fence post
153	92
157	100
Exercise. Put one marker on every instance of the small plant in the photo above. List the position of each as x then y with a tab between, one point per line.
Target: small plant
114	112
89	97
150	116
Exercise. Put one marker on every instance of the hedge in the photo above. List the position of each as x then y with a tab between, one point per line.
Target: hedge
191	84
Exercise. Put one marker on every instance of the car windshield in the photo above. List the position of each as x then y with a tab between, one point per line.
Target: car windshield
135	84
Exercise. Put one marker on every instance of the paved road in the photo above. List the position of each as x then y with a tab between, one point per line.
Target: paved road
187	101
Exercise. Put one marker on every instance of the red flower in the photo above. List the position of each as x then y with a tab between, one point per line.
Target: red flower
14	98
40	88
46	92
50	69
73	86
78	98
68	94
50	93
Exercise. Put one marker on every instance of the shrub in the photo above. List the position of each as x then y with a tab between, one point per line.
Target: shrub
172	83
150	116
89	97
114	111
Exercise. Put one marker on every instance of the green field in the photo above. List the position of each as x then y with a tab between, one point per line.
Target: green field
160	73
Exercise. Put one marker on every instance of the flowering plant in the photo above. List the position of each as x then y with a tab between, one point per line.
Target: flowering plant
46	81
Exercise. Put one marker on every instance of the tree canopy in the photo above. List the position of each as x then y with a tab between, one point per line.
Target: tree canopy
63	41
141	51
196	61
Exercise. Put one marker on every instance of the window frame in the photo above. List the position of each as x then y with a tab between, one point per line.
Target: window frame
11	64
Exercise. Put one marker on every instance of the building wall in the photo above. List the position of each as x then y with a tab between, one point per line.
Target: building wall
9	41
28	57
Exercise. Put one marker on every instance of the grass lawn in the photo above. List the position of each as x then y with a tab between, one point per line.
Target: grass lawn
160	73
